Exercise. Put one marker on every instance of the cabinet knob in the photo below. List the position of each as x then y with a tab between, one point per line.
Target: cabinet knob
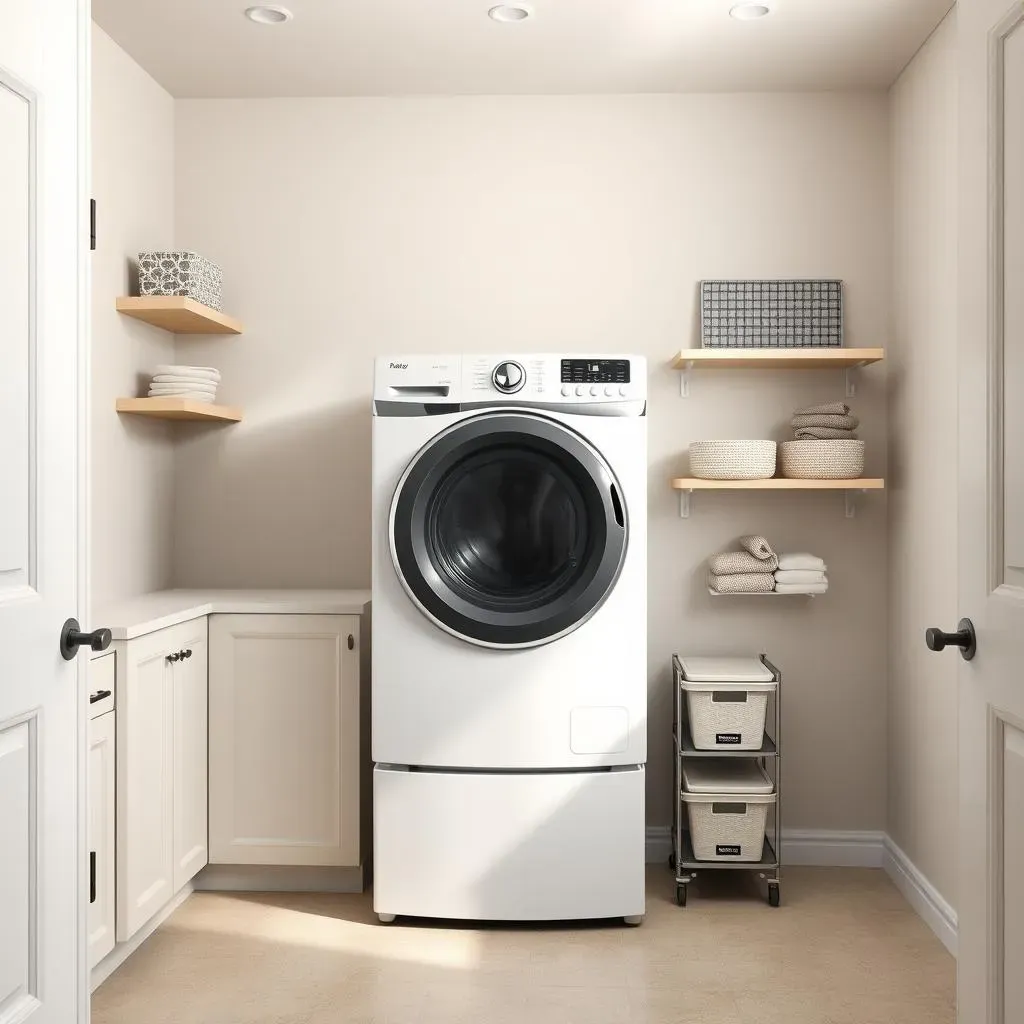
187	654
351	642
174	657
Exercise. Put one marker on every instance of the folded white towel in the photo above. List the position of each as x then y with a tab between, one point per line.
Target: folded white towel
802	560
801	588
178	378
189	371
195	396
185	385
800	576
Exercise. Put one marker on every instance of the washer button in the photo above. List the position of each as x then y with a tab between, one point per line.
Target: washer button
622	390
594	389
580	389
566	390
609	390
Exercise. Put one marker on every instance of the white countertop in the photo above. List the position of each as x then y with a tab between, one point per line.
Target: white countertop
148	612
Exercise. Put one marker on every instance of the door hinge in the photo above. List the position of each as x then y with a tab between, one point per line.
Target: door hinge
92	225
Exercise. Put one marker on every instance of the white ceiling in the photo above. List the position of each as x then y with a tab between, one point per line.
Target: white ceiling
206	48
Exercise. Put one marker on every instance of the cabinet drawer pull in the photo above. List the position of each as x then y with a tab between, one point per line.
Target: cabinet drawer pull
98	695
351	642
92	876
174	657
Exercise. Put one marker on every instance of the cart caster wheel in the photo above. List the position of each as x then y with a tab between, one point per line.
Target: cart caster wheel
773	895
681	895
385	918
634	920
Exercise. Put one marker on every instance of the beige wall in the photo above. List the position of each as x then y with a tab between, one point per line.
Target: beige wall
132	460
350	227
922	458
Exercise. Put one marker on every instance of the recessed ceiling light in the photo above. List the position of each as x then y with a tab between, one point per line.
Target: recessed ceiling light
748	12
510	12
268	14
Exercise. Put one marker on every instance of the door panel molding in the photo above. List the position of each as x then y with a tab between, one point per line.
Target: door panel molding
19	741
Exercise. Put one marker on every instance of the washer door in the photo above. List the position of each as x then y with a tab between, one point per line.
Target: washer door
508	530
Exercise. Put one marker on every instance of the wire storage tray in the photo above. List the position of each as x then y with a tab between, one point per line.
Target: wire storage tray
683	861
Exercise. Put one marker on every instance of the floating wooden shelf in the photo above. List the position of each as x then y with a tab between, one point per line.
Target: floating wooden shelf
776	358
686	485
778	483
179	409
178	314
765	593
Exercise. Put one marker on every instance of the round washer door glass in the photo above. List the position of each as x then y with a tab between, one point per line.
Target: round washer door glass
508	530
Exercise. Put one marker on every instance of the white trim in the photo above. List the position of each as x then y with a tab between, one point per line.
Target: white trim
929	903
806	847
117	956
278	878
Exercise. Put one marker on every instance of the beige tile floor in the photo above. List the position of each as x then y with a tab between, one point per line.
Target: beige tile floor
843	949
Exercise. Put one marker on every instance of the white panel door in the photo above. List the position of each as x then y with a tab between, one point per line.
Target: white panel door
43	260
145	779
991	510
284	739
190	755
101	837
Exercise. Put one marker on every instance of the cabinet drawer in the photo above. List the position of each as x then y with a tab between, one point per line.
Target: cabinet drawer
102	673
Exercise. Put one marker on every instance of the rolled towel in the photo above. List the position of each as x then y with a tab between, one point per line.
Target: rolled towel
801	588
824	434
757	546
825	409
800	576
742	583
728	563
826	420
802	560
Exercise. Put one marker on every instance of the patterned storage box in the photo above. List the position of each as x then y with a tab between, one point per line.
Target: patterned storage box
771	314
181	273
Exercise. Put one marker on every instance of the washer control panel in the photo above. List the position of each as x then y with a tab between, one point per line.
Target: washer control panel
595	371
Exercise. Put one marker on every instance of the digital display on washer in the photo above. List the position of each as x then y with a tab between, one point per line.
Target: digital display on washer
595	371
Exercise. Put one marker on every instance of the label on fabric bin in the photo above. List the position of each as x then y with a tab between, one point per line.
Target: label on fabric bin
722	850
728	737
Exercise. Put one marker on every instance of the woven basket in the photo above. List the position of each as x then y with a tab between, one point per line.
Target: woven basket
732	460
821	460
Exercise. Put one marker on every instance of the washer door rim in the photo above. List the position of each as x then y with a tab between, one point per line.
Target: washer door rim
419	575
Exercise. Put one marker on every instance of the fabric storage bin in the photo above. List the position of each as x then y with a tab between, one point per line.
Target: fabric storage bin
727	803
181	273
726	701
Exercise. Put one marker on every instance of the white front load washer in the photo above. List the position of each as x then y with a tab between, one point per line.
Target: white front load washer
509	683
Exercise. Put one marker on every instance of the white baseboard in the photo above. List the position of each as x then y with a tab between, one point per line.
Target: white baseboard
117	956
278	878
806	847
929	903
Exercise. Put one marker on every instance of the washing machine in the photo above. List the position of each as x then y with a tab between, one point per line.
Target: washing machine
509	682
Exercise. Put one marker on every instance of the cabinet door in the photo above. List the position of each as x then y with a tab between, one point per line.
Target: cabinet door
145	775
284	739
190	756
101	837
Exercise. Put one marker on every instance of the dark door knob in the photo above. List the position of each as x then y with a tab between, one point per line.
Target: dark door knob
965	638
72	637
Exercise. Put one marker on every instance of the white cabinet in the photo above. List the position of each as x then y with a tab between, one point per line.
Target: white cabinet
101	833
161	707
284	739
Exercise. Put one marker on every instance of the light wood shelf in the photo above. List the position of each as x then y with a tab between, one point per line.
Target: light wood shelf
778	483
178	314
179	409
776	358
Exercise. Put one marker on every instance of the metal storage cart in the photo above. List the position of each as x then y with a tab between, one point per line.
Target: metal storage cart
682	861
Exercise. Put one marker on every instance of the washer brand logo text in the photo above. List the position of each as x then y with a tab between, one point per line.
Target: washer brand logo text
398	366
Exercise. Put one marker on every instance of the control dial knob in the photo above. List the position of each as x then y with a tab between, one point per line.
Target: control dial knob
508	377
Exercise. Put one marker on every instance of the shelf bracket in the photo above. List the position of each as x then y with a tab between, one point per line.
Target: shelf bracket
684	379
684	504
851	503
851	379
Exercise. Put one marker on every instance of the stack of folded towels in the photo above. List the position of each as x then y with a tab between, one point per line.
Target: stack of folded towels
830	421
749	571
801	574
198	383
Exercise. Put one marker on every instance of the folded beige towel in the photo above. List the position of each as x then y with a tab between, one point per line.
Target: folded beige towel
731	562
742	583
802	560
800	588
825	409
800	576
757	546
824	434
826	420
